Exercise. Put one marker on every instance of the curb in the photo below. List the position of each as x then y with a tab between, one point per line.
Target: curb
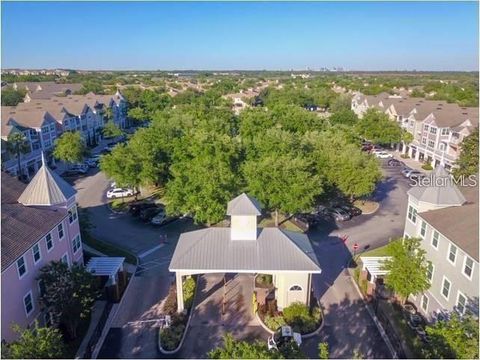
372	212
383	334
115	211
180	344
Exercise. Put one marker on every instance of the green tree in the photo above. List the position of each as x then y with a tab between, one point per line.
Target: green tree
342	102
70	147
35	343
233	349
377	127
17	144
11	97
467	163
68	294
407	269
111	130
282	183
137	114
343	116
323	352
122	166
456	338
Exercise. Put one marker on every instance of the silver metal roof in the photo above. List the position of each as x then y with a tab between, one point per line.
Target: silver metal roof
244	205
105	265
47	188
212	250
442	192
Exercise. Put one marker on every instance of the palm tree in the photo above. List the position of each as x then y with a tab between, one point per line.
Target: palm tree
17	144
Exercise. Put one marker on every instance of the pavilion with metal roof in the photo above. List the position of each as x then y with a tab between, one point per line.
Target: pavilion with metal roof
245	248
106	266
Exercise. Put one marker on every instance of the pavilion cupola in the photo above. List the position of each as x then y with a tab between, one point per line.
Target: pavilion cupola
243	212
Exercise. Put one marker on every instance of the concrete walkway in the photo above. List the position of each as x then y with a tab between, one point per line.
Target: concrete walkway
411	163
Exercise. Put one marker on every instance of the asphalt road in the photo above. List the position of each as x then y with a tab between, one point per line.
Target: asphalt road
348	326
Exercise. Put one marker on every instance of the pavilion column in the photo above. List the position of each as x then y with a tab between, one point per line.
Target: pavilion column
404	148
179	283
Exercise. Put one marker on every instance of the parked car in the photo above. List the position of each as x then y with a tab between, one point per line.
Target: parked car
352	210
147	215
409	174
305	221
119	192
416	176
338	214
159	219
93	161
405	170
282	337
383	155
376	148
367	147
77	169
137	207
394	163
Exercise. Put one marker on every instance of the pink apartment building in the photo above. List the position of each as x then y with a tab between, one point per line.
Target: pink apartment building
39	224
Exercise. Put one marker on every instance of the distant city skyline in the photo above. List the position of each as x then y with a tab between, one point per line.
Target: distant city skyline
357	36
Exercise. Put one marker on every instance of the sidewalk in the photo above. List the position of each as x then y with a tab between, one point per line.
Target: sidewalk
411	163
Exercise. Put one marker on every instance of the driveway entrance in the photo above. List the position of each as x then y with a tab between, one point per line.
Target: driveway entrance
209	324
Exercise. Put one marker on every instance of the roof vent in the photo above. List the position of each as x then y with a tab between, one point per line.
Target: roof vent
439	108
464	113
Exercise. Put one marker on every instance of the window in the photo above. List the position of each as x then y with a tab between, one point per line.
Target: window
65	259
431	143
412	214
433	130
424	303
45	129
21	267
41	287
295	288
47	143
72	214
36	253
430	268
461	303
425	127
442	147
446	288
60	231
445	131
52	127
424	141
435	239
28	303
49	241
77	244
423	229
468	267
452	254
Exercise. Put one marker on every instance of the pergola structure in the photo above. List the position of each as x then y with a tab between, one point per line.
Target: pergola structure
106	266
374	266
243	248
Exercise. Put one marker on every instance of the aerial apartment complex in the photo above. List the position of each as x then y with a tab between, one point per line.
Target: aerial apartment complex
46	114
438	128
39	225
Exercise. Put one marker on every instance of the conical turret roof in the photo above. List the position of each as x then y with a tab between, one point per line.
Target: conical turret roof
46	189
442	191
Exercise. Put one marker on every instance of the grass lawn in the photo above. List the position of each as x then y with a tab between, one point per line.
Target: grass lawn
120	204
367	206
108	249
269	221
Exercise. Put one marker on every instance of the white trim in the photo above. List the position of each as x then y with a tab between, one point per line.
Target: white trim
24	305
448	254
424	296
449	288
414	214
425	232
63	231
433	272
438	239
290	288
463	267
253	271
79	243
39	251
25	266
466	302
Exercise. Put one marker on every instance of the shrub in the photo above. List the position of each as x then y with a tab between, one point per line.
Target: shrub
298	316
264	279
427	166
188	292
272	307
170	337
274	322
404	156
170	305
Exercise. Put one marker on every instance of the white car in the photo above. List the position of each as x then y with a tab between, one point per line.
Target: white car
119	192
383	155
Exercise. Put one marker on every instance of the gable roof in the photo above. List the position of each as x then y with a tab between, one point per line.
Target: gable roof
442	192
244	205
47	188
22	226
212	250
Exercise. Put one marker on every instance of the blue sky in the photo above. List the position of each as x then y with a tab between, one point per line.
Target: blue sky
151	35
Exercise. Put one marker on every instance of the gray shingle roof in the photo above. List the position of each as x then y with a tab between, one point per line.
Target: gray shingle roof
447	193
46	189
212	249
244	205
22	226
